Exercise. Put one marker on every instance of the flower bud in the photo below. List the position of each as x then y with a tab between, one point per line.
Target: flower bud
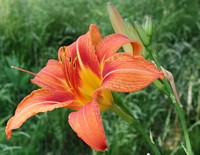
131	31
148	26
118	24
133	34
116	19
142	34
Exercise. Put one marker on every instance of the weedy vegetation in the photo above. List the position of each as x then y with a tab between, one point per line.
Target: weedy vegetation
31	32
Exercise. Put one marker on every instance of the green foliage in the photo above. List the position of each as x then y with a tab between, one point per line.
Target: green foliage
32	32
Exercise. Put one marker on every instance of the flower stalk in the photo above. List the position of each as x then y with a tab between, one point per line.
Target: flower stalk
143	34
175	101
129	118
183	123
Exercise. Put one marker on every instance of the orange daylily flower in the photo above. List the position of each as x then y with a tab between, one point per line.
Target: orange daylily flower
82	79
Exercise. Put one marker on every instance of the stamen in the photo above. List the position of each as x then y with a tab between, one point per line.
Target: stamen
74	61
23	70
70	59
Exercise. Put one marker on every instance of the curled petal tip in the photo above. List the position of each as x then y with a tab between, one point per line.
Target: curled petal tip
8	133
41	100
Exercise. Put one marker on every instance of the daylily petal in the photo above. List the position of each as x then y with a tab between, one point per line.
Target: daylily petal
87	123
94	35
85	47
125	73
112	43
41	100
51	76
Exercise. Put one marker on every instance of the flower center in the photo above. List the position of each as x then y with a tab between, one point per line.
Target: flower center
90	83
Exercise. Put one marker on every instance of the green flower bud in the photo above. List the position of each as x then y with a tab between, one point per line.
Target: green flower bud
148	26
133	34
142	34
131	31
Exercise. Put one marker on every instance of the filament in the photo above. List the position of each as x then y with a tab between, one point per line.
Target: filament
23	70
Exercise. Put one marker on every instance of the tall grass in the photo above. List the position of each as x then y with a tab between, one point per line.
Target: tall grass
31	32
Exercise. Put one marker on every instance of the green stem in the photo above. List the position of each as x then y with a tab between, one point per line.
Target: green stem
160	86
136	124
122	114
174	101
155	59
183	123
120	103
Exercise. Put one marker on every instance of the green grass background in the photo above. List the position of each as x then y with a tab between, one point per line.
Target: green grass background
31	32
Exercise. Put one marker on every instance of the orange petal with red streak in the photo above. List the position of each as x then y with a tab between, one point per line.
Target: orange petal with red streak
87	123
126	73
94	35
85	46
51	76
41	100
112	43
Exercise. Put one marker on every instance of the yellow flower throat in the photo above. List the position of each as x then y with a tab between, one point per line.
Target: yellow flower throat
91	82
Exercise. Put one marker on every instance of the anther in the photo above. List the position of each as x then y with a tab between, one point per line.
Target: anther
63	48
70	59
74	61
